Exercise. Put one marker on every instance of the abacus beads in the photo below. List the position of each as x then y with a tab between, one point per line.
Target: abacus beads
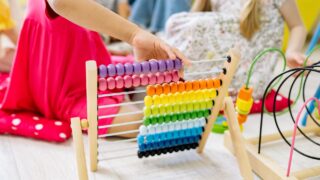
183	86
244	103
145	67
128	81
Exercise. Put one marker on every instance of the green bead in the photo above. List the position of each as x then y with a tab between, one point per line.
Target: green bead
187	115
167	118
174	118
160	119
154	120
146	121
180	117
200	114
206	113
193	115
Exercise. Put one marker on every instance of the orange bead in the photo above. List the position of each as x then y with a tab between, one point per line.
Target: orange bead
216	83
151	90
203	84
159	89
173	87
245	93
166	88
242	118
210	83
195	85
181	86
188	85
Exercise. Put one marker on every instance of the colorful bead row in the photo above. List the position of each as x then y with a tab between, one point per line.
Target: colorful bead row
128	81
183	86
183	97
169	135
160	119
152	66
177	108
166	150
169	143
244	103
173	126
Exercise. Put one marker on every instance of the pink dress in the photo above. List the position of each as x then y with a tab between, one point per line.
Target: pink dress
47	82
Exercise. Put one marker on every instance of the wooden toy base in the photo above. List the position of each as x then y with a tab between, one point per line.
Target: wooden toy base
266	167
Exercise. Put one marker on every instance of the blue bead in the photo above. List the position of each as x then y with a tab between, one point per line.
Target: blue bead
179	141
162	136
188	132
181	134
156	137
140	139
176	134
170	135
148	138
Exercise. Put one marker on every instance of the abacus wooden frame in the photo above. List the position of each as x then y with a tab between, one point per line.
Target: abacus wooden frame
267	168
91	85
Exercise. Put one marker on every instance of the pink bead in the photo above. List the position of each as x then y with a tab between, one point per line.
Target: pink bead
160	78
144	80
111	83
175	76
102	84
135	80
119	82
152	79
167	77
127	81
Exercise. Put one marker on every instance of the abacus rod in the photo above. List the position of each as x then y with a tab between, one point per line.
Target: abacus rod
116	157
121	93
209	60
121	114
119	133
120	104
117	141
120	124
116	149
206	72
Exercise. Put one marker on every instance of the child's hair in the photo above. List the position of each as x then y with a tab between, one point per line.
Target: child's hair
250	19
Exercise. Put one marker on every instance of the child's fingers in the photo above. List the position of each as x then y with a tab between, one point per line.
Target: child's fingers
168	50
183	58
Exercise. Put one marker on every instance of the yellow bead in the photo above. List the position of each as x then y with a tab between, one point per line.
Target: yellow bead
148	101
203	105
177	97
84	124
198	95
163	99
155	110
316	114
213	93
244	107
176	108
206	93
192	95
170	98
147	111
224	124
190	106
209	104
196	105
168	108
162	109
185	97
156	99
183	107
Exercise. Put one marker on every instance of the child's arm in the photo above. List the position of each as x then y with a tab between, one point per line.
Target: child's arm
91	15
123	8
289	11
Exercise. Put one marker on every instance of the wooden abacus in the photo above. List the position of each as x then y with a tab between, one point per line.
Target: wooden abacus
177	116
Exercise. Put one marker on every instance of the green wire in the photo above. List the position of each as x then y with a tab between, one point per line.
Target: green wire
258	57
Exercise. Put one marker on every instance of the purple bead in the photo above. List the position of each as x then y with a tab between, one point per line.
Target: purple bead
137	68
177	64
128	67
102	71
154	66
120	69
111	70
145	67
170	65
162	66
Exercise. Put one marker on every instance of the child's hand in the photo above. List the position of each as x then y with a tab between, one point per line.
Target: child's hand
147	46
295	59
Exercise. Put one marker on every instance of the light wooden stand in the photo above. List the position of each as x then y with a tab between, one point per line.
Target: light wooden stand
221	102
266	167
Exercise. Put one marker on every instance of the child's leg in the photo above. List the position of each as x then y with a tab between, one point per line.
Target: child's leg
123	119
